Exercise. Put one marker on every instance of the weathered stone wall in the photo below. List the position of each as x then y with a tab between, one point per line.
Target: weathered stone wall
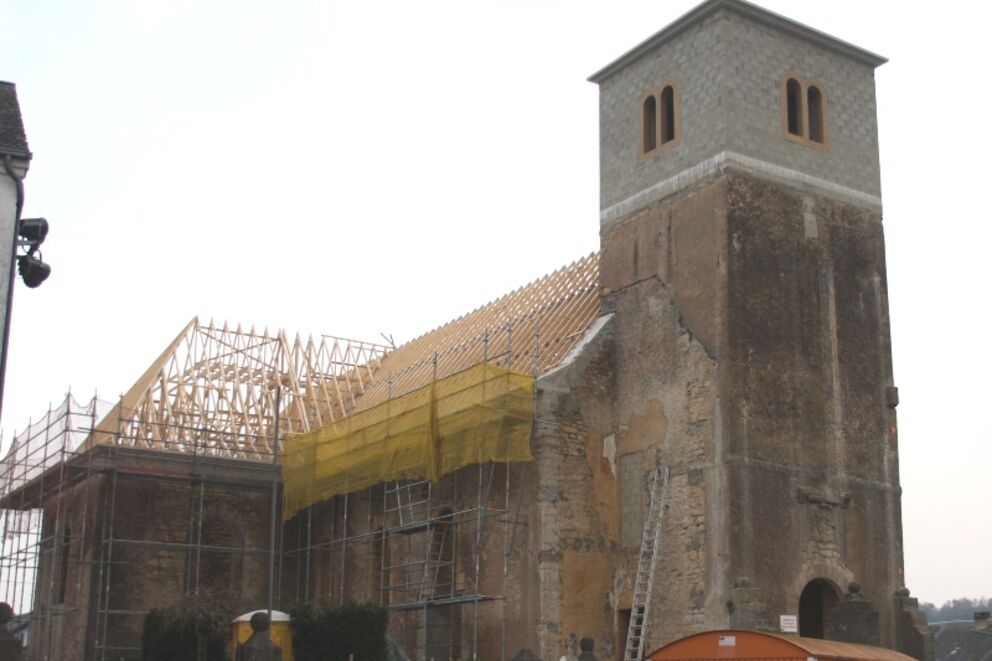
638	396
664	403
66	635
753	315
152	562
662	272
808	428
577	500
154	565
359	552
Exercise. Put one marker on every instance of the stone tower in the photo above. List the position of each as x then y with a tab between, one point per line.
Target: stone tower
743	259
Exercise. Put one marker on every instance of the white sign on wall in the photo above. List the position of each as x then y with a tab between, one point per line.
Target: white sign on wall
788	623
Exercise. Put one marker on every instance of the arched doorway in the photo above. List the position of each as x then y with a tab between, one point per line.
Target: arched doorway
816	605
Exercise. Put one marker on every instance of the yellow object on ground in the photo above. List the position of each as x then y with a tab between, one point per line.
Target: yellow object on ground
484	413
280	632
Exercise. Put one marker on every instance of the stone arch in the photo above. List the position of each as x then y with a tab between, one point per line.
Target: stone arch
817	603
216	562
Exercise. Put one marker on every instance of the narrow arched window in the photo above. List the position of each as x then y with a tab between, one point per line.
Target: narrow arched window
649	124
814	106
794	98
667	114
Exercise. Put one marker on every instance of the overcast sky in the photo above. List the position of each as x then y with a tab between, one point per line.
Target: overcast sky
382	167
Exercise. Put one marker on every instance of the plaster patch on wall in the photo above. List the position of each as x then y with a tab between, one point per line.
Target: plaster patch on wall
610	452
809	218
586	584
644	429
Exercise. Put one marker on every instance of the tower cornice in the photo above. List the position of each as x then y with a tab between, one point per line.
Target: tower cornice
748	10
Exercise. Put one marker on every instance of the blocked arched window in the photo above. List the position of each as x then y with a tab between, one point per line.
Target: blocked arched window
794	100
814	107
216	562
667	114
649	124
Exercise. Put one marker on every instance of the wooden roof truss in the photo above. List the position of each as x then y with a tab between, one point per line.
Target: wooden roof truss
216	390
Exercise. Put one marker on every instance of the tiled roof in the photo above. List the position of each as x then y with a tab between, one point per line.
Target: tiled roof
12	138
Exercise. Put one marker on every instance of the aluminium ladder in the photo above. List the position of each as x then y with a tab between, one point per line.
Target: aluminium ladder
650	550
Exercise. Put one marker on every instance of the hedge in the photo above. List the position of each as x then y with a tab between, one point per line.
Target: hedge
328	633
175	632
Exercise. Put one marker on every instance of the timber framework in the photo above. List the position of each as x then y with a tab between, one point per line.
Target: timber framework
110	509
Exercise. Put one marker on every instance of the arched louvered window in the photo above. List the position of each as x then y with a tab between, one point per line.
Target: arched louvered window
814	108
794	102
659	119
667	114
804	110
649	124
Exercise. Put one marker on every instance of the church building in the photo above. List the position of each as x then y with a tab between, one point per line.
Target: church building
692	429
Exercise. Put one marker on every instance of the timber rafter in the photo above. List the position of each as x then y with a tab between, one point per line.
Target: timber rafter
214	391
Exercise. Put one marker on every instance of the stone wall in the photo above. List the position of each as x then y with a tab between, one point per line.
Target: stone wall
64	583
359	551
752	355
152	562
639	396
728	70
808	363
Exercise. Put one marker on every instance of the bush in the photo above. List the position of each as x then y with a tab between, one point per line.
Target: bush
327	633
176	632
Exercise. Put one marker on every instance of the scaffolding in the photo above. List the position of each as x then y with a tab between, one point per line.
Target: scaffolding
35	468
203	423
111	509
437	553
417	545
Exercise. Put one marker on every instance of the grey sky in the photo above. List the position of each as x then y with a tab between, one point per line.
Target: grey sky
367	167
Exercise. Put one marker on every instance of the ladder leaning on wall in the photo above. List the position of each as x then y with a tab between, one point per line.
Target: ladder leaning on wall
646	565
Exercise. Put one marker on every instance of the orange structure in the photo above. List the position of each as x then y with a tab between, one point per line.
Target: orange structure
736	644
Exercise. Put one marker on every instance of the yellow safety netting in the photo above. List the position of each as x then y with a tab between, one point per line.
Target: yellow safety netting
484	413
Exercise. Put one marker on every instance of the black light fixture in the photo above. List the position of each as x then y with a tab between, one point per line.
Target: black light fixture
32	270
32	232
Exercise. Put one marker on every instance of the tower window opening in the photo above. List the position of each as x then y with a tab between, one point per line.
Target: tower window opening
659	119
814	106
793	93
667	114
649	119
804	110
